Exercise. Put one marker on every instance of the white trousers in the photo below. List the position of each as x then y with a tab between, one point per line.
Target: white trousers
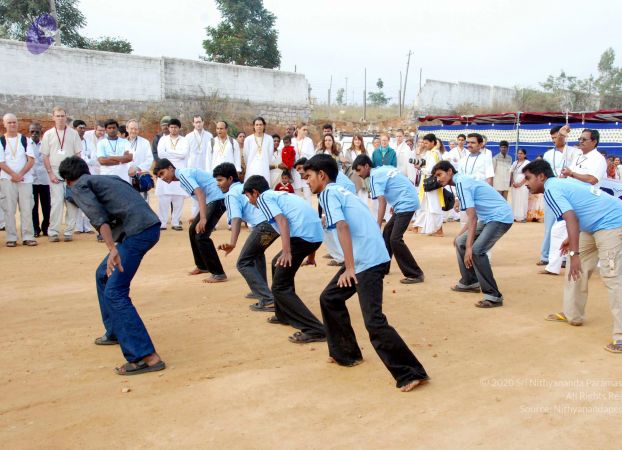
164	209
83	224
374	210
559	233
57	194
12	197
2	223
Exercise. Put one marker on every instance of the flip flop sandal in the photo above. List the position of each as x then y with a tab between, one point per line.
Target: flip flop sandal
215	279
303	338
488	304
262	308
614	347
457	288
274	320
557	317
542	263
139	367
105	340
11	244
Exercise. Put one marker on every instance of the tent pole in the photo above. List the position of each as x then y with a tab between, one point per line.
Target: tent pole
517	135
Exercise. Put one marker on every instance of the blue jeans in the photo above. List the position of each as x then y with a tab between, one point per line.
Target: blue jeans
120	318
480	274
549	221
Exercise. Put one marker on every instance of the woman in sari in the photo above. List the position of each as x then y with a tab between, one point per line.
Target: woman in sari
519	192
430	214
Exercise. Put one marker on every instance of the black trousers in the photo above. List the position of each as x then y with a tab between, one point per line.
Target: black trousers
288	306
41	193
389	346
393	235
203	249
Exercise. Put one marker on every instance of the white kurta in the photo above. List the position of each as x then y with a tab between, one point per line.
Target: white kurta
223	152
403	154
198	149
304	148
430	214
258	155
520	196
140	148
89	154
178	156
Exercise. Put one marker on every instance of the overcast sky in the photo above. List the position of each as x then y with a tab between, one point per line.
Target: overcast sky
507	43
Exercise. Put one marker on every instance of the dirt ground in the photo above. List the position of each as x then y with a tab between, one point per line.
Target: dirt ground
500	378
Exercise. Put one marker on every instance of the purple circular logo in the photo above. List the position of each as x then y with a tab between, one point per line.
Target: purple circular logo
40	35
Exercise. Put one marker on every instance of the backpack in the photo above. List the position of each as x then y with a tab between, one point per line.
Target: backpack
24	142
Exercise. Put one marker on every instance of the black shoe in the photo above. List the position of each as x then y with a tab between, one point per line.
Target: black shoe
409	280
37	235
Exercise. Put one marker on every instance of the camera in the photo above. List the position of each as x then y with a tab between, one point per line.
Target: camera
417	161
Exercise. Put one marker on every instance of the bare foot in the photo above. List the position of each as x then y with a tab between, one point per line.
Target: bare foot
410	386
197	271
438	233
309	262
215	279
415	229
331	360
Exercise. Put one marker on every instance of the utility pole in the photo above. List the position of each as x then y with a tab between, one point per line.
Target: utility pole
346	90
420	75
55	15
330	86
406	78
365	98
399	95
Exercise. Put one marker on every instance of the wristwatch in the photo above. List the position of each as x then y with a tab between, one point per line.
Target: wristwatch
573	253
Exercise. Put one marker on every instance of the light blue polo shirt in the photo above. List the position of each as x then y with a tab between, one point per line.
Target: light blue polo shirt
238	206
191	178
107	147
489	205
399	192
595	209
303	220
367	244
345	182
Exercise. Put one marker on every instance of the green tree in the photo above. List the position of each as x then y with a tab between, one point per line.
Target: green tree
110	44
609	81
17	15
245	36
378	98
340	94
572	93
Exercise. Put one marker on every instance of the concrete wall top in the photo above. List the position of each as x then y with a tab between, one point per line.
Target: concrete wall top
89	74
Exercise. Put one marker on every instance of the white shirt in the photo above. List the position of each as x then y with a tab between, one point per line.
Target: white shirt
223	152
591	163
115	147
15	156
39	173
140	148
177	153
403	154
258	155
560	159
486	152
478	166
198	144
304	148
456	154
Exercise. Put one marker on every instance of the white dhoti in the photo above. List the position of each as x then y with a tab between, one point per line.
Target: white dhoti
430	217
559	233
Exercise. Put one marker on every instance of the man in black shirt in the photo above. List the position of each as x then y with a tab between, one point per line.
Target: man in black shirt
120	215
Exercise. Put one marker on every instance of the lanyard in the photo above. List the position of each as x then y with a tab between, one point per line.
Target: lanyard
61	142
259	144
174	144
8	143
466	164
114	149
199	139
134	145
222	146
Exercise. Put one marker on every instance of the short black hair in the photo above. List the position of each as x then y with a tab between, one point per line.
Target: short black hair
461	135
444	166
504	144
325	163
73	168
287	137
223	121
78	122
539	166
477	136
256	183
274	136
555	129
109	122
286	173
361	160
162	164
327	126
301	162
226	170
175	122
594	134
430	137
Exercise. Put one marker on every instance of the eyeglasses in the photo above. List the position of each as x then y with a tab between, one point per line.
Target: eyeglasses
582	139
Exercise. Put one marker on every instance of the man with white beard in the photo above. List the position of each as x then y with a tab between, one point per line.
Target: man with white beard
140	148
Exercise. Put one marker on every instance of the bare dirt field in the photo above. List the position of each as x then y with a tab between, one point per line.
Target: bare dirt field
500	378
